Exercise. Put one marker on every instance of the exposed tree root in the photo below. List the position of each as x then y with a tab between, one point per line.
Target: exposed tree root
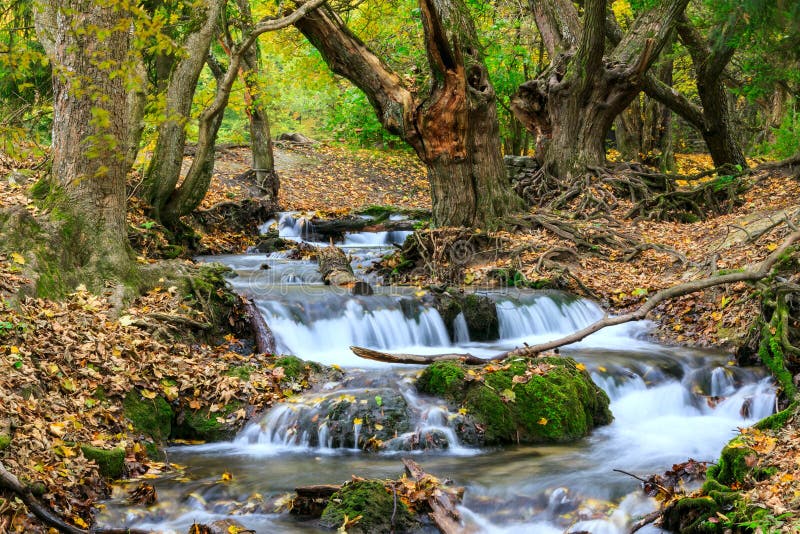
760	271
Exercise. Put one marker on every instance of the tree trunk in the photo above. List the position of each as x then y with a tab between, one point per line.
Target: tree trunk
260	135
90	134
572	104
657	140
454	131
164	170
628	129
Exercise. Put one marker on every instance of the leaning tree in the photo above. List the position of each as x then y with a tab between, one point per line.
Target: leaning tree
590	80
452	126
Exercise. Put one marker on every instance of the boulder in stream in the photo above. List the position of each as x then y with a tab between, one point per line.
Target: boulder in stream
379	511
525	400
480	314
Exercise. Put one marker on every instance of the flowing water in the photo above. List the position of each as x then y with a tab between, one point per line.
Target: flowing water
669	404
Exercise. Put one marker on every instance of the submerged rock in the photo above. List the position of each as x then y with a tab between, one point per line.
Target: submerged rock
527	400
375	416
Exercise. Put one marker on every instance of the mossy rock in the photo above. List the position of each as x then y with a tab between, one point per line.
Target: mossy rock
293	367
5	441
111	462
563	404
204	425
480	314
372	501
152	417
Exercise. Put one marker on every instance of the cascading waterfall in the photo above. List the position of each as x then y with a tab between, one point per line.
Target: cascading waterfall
669	404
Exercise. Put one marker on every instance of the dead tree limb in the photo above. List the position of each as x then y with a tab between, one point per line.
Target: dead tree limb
10	482
760	271
265	340
442	503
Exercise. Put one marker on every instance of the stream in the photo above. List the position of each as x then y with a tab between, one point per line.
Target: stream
669	404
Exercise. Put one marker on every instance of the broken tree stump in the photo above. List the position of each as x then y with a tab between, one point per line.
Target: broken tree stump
335	267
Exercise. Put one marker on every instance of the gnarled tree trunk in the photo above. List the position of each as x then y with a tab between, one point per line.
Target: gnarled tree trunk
164	170
454	130
572	104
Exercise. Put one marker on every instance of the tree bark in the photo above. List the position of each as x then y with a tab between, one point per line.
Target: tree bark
260	135
91	132
572	104
454	130
164	170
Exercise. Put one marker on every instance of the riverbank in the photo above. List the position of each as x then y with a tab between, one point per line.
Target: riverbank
76	366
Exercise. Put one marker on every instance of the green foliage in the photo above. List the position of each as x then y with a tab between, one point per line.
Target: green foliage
787	136
5	441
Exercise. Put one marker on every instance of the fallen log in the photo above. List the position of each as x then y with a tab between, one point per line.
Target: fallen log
265	340
369	354
335	267
444	513
9	482
760	271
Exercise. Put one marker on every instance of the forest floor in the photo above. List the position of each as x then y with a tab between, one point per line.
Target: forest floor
68	366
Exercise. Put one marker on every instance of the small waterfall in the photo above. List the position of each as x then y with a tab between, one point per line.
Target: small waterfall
545	315
460	329
331	324
292	226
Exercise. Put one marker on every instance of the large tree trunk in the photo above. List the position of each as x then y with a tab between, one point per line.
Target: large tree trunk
709	63
454	130
572	105
164	170
90	135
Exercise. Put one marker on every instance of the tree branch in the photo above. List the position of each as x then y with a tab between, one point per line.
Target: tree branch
762	270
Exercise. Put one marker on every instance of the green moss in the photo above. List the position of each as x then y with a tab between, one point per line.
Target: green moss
152	417
561	405
5	441
771	354
370	500
732	466
777	420
111	462
443	379
203	424
293	367
243	372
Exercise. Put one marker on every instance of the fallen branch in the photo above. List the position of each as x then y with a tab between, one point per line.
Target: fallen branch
762	270
442	503
369	354
8	481
265	340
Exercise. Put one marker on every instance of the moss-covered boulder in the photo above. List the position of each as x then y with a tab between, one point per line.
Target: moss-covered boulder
374	503
526	400
111	462
205	425
151	417
719	506
374	415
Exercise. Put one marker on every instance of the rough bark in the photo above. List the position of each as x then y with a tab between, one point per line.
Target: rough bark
709	63
90	134
713	118
453	130
260	135
443	504
164	170
572	104
187	197
335	267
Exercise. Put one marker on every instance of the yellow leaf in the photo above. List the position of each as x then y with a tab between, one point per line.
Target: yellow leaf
147	394
602	369
79	522
14	350
770	247
17	258
357	421
580	367
542	421
226	477
462	411
378	427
